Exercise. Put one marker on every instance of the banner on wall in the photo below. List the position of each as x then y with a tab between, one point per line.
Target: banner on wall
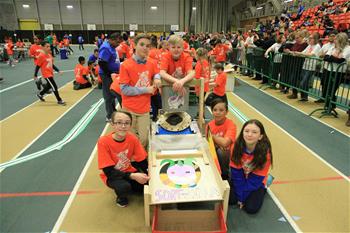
91	27
48	26
174	27
133	27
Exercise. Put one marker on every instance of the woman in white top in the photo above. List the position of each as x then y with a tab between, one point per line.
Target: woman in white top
336	67
309	66
277	57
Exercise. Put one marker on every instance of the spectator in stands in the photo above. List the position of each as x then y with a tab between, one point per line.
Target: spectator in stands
250	163
321	9
307	21
300	12
335	57
249	44
81	42
277	57
309	66
324	50
328	25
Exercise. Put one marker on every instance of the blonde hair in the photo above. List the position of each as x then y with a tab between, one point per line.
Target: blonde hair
341	41
174	40
201	52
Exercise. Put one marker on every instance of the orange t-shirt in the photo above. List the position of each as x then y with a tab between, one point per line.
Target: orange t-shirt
186	46
220	81
220	51
179	68
19	44
137	75
9	48
45	61
79	72
97	68
34	51
115	84
123	48
227	130
119	154
66	42
203	70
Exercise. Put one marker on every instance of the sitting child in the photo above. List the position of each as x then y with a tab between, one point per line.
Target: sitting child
81	75
219	85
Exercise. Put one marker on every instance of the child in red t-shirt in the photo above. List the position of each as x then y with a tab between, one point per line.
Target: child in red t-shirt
122	159
81	75
223	132
45	63
219	85
250	164
9	49
20	49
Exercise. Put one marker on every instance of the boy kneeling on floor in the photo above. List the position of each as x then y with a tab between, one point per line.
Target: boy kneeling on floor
81	75
122	159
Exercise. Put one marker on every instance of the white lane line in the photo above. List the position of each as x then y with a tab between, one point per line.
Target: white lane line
284	211
31	104
22	83
73	194
52	124
315	118
300	143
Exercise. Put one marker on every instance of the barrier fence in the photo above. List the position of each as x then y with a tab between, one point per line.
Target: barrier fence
322	79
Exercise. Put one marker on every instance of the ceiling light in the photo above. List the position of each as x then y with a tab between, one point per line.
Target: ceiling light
288	0
154	7
259	8
194	8
25	6
69	7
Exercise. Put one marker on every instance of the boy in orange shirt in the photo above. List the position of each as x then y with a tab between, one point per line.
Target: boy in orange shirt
81	73
9	49
220	52
176	66
139	79
45	63
223	132
122	159
219	85
34	52
20	46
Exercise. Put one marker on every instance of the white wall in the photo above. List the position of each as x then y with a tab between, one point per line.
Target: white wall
115	13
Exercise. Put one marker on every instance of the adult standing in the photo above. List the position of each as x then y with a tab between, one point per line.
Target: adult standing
109	63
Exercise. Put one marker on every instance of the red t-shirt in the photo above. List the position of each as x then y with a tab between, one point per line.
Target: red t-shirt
34	51
97	68
220	81
179	68
123	48
79	71
245	165
137	75
227	130
119	154
203	70
220	51
19	44
45	61
9	48
66	42
115	84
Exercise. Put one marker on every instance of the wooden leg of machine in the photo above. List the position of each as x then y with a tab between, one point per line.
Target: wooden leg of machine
226	198
147	202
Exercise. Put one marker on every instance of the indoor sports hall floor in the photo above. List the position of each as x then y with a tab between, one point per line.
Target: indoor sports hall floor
52	181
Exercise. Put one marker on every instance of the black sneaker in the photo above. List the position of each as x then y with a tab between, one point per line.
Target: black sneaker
319	101
40	97
61	102
122	202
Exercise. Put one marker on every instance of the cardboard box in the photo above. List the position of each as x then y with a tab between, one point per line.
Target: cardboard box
188	221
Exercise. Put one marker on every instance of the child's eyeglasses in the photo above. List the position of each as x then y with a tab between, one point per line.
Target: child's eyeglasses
120	123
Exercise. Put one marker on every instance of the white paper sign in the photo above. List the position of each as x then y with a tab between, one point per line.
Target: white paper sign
133	27
48	26
174	27
91	27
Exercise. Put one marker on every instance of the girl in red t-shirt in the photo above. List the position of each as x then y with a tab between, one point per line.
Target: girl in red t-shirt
250	164
122	159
